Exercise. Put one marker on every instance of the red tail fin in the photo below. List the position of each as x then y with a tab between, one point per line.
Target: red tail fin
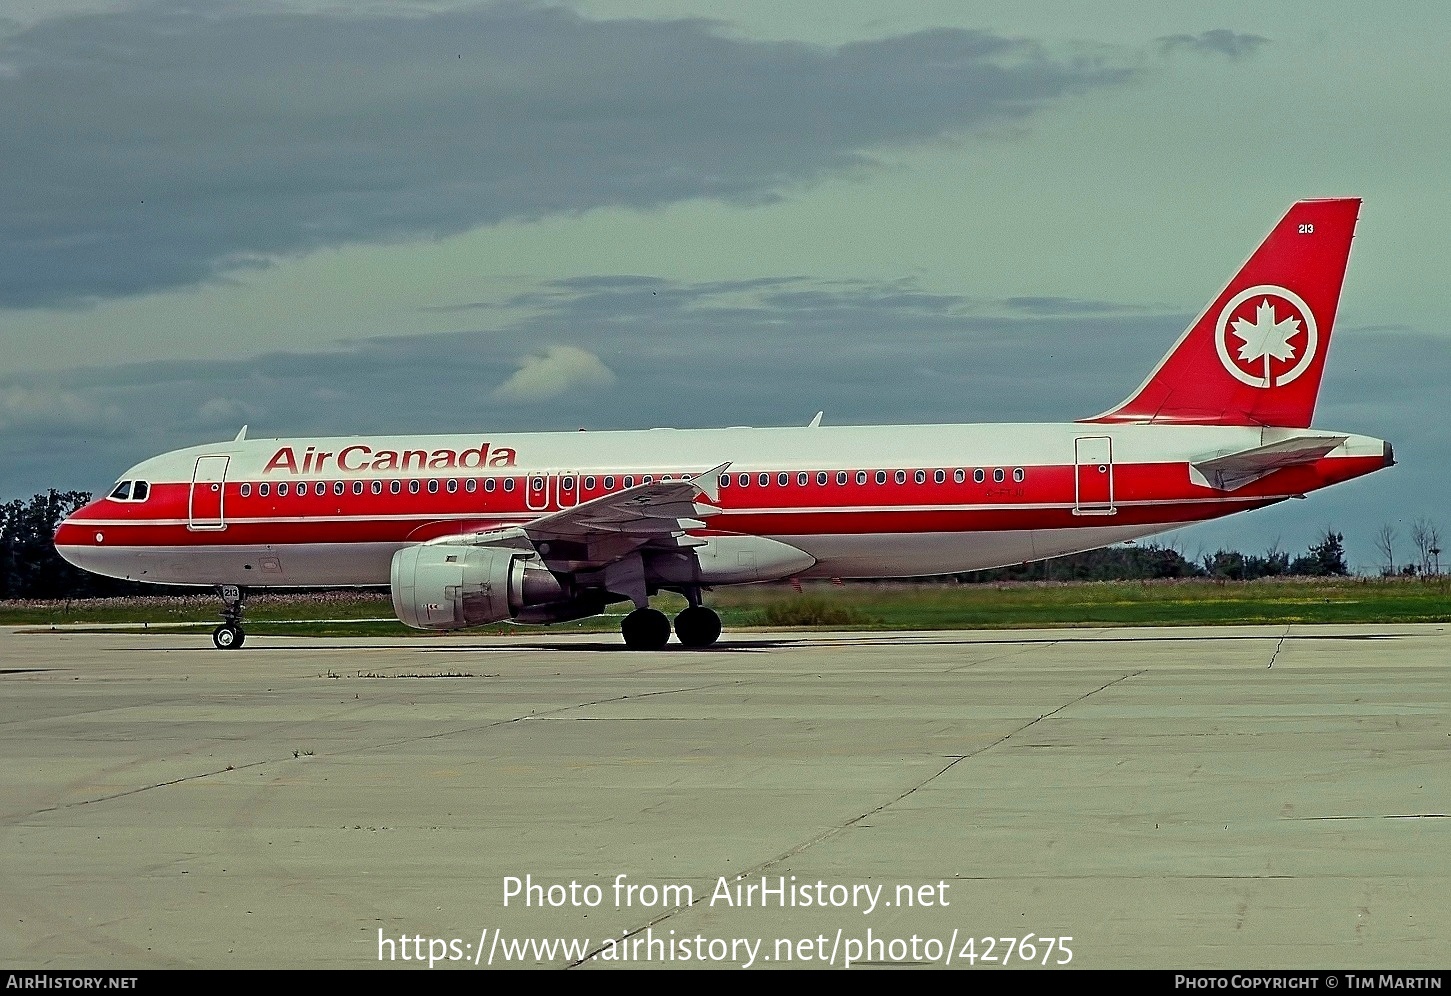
1256	354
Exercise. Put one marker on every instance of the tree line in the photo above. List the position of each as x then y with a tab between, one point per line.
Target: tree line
1324	558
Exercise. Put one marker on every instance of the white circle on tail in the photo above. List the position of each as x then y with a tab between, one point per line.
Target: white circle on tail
1273	333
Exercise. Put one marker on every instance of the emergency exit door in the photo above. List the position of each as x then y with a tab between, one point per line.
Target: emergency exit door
1093	476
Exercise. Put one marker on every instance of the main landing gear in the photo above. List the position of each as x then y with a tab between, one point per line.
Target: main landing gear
230	635
649	629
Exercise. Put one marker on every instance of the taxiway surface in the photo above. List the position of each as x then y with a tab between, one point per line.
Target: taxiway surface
1195	798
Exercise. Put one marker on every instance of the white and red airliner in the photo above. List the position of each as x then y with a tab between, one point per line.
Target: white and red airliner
541	527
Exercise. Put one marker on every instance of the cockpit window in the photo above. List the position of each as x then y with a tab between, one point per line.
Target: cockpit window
130	491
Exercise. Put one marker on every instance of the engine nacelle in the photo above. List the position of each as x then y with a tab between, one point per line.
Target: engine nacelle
450	587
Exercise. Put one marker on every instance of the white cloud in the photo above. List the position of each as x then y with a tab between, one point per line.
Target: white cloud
559	370
223	411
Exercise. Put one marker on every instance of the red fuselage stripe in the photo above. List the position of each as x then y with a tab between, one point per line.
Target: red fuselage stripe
1044	499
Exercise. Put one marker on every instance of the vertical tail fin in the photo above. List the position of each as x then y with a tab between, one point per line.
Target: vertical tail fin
1256	354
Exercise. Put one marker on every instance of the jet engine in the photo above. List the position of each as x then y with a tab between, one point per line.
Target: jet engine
450	587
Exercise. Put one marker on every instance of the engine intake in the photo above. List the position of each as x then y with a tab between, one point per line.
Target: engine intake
451	587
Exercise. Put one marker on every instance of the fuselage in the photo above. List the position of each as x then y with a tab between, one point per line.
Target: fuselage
862	501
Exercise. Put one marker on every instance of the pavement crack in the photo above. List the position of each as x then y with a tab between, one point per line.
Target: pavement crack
141	788
1281	643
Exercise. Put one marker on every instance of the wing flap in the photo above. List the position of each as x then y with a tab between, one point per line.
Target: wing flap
605	529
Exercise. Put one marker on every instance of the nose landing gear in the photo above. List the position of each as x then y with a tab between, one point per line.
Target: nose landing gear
230	635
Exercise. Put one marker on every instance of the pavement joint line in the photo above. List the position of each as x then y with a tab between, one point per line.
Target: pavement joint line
269	760
536	715
1002	657
834	831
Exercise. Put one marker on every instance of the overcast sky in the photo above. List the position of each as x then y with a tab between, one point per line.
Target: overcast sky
365	217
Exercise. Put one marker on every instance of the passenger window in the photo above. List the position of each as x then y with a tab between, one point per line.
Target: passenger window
508	484
783	479
609	484
939	477
998	475
861	477
567	483
801	479
725	480
921	476
821	477
433	487
339	487
452	486
488	484
122	492
377	488
900	477
413	487
881	477
262	489
281	489
959	475
646	479
357	487
246	490
320	488
744	480
1018	474
666	477
764	480
471	485
394	487
589	483
629	481
978	476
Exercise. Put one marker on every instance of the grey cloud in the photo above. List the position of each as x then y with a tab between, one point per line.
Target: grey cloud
174	142
1218	41
1066	306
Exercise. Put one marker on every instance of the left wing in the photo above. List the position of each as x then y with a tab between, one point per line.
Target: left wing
605	529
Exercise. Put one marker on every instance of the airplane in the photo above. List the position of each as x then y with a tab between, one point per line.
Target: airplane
474	528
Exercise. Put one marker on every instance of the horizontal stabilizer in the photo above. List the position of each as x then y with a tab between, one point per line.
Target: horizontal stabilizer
1235	470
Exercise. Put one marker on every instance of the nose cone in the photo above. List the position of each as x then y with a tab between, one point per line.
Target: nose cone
76	538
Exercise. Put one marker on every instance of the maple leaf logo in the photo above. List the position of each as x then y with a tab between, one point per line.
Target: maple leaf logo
1266	337
1279	317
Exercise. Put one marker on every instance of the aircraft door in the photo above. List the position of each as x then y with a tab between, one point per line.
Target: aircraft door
208	487
1093	476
